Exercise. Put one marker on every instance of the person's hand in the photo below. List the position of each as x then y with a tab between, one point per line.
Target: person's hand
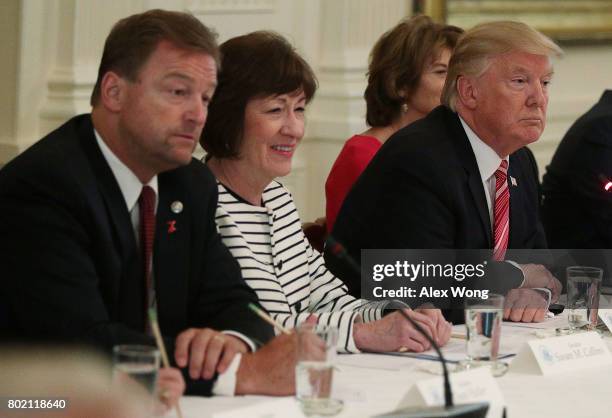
536	275
206	351
394	333
525	305
270	370
170	386
443	328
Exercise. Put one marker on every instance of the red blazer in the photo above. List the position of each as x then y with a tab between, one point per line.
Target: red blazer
352	160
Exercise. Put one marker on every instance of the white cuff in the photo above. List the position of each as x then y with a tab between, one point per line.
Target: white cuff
547	292
243	337
226	382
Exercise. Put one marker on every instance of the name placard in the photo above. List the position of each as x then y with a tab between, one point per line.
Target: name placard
562	354
477	385
606	317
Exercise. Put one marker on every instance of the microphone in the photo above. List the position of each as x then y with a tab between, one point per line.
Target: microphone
606	183
338	251
449	410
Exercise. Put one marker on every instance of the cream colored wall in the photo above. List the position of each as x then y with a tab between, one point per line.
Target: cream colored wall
9	47
51	51
581	76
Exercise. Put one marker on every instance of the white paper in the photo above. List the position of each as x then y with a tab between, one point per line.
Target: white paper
606	317
454	351
375	361
559	321
278	408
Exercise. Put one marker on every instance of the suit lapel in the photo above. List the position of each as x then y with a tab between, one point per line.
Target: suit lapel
466	157
112	209
111	193
515	197
171	251
480	200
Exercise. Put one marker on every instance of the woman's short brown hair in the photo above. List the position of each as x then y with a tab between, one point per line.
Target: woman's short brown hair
133	39
397	62
256	65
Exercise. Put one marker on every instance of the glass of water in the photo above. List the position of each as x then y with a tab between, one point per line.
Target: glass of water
483	318
136	364
315	369
583	291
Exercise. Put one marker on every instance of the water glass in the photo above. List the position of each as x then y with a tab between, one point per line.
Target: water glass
583	292
483	318
316	353
136	363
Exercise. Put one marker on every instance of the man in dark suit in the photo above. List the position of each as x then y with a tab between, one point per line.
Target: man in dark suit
577	189
577	210
109	216
461	178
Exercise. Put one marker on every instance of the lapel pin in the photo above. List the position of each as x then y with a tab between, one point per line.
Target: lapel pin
176	206
171	226
513	181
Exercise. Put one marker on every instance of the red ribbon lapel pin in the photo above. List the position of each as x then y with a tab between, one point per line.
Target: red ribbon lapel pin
171	226
175	207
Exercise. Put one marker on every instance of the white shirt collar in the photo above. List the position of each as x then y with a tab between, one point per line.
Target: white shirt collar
487	159
129	184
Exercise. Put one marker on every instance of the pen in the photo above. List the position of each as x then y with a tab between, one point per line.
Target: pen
268	318
162	348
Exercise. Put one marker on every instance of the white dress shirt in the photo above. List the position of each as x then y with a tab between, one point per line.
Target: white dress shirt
131	187
488	162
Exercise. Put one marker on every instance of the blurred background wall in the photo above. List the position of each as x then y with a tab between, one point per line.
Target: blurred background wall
50	51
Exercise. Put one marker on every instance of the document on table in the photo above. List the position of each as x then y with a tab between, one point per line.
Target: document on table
374	361
453	351
276	408
559	321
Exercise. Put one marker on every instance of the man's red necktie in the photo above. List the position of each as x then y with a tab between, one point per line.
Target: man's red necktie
502	212
146	202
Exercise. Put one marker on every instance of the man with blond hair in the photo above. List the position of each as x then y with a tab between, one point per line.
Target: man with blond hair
461	178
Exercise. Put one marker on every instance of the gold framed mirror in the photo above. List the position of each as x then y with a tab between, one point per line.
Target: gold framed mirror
564	20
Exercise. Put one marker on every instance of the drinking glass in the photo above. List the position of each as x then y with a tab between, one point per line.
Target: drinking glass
583	292
483	318
136	363
315	368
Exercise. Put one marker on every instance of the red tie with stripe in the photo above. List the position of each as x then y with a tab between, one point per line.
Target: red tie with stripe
146	203
502	212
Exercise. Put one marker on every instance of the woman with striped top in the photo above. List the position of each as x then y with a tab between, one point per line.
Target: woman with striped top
254	125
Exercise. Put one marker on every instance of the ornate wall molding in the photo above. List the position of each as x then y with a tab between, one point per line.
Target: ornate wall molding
204	7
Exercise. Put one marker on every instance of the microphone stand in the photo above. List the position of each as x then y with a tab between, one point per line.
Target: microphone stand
472	410
448	393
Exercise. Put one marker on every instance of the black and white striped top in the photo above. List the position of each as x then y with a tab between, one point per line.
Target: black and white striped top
288	275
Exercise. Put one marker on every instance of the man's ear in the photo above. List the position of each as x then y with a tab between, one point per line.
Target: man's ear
467	91
112	91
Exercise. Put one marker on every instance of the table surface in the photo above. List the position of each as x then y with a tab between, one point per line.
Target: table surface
371	384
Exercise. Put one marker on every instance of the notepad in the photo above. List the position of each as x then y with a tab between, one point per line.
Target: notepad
453	351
